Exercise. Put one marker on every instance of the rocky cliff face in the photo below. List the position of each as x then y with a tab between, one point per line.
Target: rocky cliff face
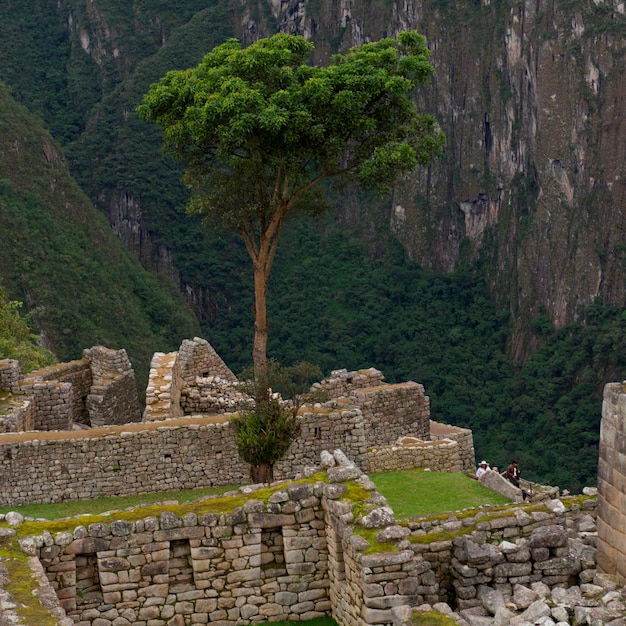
530	94
532	98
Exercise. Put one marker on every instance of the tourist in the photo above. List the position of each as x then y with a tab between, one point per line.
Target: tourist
483	467
512	474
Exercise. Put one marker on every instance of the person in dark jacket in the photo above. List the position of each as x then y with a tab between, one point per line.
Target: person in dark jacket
512	474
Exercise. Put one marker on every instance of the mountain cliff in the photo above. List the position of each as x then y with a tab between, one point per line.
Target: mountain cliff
530	95
59	256
525	210
532	99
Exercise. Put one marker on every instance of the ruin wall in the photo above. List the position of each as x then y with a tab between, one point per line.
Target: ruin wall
70	383
500	549
9	374
437	456
342	382
199	359
177	455
303	550
112	397
174	455
95	390
612	482
164	388
393	411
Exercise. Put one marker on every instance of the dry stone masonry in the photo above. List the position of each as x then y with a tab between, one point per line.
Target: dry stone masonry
328	544
306	547
95	390
193	380
186	453
612	482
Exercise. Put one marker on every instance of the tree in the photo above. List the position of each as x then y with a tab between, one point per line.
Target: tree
263	433
258	130
16	340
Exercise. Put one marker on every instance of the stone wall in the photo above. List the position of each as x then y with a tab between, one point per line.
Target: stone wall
291	552
447	449
9	374
463	436
59	391
112	397
257	562
119	462
612	482
324	545
326	427
164	388
199	359
393	411
18	415
438	456
342	382
176	455
212	395
95	390
549	542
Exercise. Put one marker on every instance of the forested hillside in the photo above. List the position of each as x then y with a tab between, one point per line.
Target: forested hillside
495	277
59	257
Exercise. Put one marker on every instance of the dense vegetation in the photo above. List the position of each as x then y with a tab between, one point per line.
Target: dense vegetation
58	256
16	340
334	300
332	304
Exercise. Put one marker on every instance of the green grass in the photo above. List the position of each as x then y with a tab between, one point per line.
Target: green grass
59	510
414	493
321	621
411	493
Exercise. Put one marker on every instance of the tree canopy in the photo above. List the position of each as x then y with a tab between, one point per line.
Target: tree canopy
259	128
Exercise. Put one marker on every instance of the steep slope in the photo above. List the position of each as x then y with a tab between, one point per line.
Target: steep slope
531	96
529	195
59	256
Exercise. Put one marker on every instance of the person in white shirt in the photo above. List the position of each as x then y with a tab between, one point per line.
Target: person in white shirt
483	467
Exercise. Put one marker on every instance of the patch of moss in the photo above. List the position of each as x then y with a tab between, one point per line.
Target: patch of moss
369	534
20	585
217	505
572	503
440	535
357	495
494	513
430	618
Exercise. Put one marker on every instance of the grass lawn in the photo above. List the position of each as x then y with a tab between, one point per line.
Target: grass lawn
414	493
411	493
60	510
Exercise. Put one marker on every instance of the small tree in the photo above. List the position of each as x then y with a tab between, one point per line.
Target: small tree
258	129
264	432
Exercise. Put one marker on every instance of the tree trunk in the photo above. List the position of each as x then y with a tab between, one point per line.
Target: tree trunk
259	350
262	473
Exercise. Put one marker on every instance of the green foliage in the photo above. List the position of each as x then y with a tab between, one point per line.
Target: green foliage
362	308
275	121
258	130
16	340
59	256
264	433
